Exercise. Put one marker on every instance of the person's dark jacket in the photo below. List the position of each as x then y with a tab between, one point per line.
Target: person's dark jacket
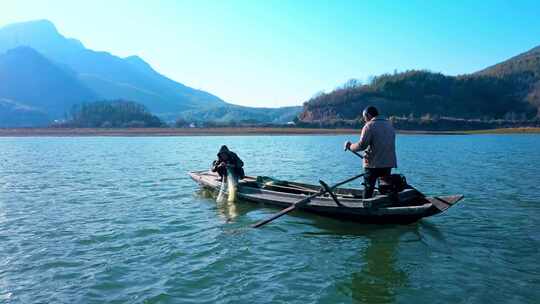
227	158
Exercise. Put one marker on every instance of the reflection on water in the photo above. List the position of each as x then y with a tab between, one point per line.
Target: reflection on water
229	210
380	277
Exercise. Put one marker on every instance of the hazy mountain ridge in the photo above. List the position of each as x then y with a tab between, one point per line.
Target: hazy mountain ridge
108	76
101	75
30	80
41	35
14	114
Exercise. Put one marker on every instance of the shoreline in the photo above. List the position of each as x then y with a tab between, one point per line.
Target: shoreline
163	132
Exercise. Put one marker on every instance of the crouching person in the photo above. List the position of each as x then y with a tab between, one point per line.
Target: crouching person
230	169
228	159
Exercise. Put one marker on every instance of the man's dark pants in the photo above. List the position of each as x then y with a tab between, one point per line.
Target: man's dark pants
370	179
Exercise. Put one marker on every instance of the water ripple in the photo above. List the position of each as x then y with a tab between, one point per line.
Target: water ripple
117	220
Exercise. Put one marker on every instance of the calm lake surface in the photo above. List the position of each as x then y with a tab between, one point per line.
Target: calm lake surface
94	220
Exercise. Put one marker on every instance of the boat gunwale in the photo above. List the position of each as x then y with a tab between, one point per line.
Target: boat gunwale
325	200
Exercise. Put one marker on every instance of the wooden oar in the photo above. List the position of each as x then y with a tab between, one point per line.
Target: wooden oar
356	153
303	202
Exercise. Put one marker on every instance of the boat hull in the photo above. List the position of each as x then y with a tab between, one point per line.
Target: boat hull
376	210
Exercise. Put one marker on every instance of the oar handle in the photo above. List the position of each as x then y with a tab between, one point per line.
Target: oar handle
346	181
347	147
356	153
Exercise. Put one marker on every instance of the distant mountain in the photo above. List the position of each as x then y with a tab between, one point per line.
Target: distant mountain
510	89
57	72
14	114
31	80
40	35
108	76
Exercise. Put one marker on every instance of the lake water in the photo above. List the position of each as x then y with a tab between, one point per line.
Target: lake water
95	220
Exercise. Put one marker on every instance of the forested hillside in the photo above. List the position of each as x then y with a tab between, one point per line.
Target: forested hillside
509	91
111	114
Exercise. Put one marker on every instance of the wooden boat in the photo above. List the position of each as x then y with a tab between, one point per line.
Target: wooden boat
408	206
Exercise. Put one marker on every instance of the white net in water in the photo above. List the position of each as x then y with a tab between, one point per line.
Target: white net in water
228	188
221	194
232	185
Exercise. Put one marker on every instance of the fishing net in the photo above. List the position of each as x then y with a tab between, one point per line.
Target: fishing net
228	189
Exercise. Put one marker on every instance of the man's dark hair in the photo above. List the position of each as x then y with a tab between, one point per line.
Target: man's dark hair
372	111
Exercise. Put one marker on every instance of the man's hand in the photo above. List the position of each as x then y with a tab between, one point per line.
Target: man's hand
347	145
216	165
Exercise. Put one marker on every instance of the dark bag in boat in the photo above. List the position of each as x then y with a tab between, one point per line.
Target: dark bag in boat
392	184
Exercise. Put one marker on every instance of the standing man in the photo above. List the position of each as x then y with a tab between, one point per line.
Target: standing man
378	140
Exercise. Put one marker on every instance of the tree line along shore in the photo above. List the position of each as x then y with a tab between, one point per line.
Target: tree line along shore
127	118
75	132
129	114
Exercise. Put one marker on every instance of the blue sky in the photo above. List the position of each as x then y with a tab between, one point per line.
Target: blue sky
276	52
